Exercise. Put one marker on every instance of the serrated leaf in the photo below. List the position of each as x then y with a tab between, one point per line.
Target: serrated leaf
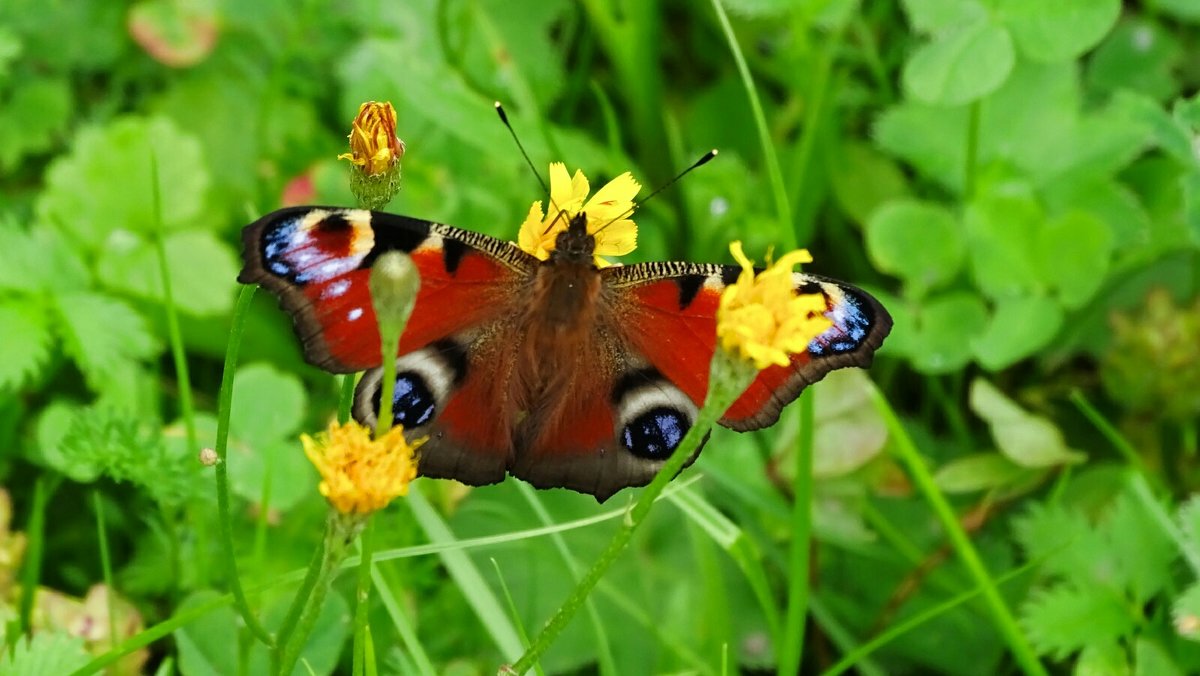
1064	619
27	341
45	653
1019	328
79	195
1068	545
1060	30
978	472
945	326
1143	550
102	334
202	270
921	242
960	66
1001	230
37	259
1026	439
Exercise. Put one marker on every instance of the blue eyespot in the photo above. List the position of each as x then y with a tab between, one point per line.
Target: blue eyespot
655	433
413	403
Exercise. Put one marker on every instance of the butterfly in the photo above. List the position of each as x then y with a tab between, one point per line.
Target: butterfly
557	371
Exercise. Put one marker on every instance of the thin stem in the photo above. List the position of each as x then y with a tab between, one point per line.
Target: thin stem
224	407
105	567
366	544
792	642
1001	615
299	600
1114	437
783	207
972	158
339	532
729	378
346	398
35	535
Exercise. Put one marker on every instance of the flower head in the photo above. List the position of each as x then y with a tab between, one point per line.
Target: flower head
374	146
360	475
761	318
607	214
375	152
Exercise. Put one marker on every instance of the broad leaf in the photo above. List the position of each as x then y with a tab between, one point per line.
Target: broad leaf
960	66
202	270
1059	30
944	329
1072	254
1019	328
1026	439
920	242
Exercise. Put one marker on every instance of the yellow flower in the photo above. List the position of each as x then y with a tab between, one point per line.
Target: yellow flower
374	146
360	475
762	319
607	214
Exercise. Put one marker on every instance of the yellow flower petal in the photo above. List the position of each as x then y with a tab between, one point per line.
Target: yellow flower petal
761	319
360	475
607	215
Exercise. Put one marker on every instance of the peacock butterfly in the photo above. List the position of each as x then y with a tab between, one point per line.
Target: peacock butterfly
557	371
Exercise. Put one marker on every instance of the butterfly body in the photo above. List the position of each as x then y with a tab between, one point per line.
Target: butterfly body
556	371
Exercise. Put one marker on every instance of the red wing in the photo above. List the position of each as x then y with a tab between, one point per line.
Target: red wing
317	260
668	313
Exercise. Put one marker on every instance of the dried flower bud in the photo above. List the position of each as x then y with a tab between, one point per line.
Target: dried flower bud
375	152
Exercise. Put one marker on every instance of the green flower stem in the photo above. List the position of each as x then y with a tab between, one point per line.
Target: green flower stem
35	534
340	531
366	545
221	470
299	600
791	644
105	567
1001	615
728	377
345	398
787	234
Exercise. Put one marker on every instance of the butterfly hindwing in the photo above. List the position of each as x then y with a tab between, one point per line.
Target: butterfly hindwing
670	311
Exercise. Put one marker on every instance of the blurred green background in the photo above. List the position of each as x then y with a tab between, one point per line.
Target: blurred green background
1017	180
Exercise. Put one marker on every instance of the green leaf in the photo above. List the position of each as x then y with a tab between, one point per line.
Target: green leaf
1060	30
1165	130
1019	328
960	66
27	341
46	652
1001	231
1184	10
208	644
1144	551
1138	56
1026	439
863	179
1151	659
292	476
921	242
1069	546
1072	254
1113	203
202	269
759	8
978	472
37	259
928	137
849	432
33	119
79	195
1064	619
268	404
102	334
946	325
1102	659
935	16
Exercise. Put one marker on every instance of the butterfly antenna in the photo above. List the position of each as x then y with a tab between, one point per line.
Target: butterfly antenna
504	119
698	163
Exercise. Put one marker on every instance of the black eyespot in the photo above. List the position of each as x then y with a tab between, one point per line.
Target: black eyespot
655	433
413	404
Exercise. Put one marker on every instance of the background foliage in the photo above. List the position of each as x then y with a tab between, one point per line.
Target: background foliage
1018	180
